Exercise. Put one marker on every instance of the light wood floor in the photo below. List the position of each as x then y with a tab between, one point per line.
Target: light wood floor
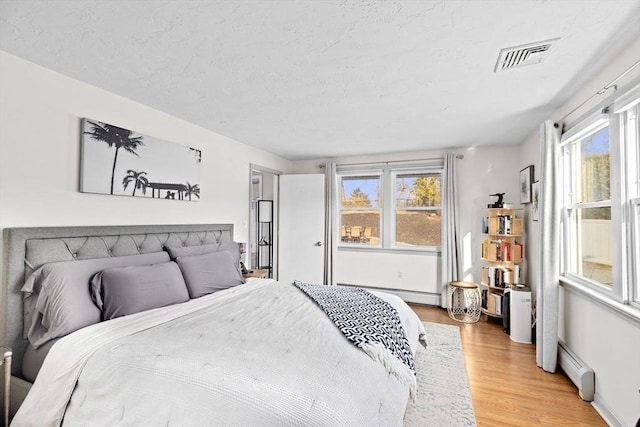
507	387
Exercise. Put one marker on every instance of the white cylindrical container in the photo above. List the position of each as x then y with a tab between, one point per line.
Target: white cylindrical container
520	314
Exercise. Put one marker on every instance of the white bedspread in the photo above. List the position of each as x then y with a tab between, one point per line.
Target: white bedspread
257	354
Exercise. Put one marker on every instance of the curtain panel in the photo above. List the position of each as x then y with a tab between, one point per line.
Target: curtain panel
549	256
331	224
451	257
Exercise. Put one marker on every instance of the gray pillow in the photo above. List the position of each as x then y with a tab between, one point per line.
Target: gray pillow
127	290
232	247
209	272
57	300
179	251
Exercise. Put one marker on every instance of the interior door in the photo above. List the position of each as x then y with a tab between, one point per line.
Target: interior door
301	228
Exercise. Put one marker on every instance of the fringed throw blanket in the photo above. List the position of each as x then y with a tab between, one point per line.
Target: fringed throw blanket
370	323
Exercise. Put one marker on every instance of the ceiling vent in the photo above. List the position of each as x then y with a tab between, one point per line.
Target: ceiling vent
527	54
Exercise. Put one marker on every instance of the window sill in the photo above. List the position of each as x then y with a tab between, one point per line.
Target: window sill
627	311
354	248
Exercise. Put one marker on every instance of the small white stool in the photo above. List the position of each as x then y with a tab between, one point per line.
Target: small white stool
463	302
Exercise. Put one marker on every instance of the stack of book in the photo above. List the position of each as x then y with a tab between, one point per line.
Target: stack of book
502	224
498	277
492	302
501	250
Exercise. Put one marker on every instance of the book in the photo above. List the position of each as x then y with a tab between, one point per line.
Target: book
505	249
497	303
491	303
519	252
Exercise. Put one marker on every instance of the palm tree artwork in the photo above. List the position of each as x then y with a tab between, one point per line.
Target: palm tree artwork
192	190
117	138
156	168
140	181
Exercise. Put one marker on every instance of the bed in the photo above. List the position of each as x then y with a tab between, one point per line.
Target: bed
254	353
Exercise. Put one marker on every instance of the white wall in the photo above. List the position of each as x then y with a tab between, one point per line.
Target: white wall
40	113
607	342
483	171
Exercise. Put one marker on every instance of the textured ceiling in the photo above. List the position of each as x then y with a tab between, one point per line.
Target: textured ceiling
310	79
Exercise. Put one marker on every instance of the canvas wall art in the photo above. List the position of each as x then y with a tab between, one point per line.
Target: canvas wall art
535	210
526	178
122	162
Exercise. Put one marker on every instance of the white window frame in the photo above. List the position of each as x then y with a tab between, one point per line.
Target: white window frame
624	294
634	267
394	208
572	161
629	116
387	173
364	173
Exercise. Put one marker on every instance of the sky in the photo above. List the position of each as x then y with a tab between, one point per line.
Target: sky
369	186
599	143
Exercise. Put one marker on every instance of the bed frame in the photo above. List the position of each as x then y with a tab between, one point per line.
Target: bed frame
27	249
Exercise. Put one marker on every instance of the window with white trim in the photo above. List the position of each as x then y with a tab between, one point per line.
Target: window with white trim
417	209
390	207
588	204
360	208
630	136
601	200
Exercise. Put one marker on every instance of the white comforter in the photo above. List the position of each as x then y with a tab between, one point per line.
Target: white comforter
257	354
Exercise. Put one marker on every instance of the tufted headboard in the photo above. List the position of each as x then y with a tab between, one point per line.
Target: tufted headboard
27	249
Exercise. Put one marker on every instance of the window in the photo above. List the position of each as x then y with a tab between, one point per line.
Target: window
360	212
601	205
390	208
417	209
588	205
630	134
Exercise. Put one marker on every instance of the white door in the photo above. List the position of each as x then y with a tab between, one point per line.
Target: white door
301	228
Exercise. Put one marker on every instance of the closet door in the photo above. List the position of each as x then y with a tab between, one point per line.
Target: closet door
301	228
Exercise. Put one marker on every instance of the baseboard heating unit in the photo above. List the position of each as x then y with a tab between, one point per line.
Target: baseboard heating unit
577	371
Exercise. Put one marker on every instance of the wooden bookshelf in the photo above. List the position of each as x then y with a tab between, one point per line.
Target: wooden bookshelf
503	253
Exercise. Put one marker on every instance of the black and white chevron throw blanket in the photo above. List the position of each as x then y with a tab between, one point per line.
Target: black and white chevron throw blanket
370	323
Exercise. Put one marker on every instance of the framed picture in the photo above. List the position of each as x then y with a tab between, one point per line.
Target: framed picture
535	195
526	177
122	162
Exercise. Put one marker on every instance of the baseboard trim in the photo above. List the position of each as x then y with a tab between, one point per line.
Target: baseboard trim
577	371
603	410
407	296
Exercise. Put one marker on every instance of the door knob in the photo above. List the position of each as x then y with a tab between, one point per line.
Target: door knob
318	243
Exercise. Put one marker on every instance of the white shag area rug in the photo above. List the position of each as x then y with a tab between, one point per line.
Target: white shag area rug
443	397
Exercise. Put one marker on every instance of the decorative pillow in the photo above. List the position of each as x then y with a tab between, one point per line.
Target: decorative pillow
210	272
179	251
232	247
127	290
57	300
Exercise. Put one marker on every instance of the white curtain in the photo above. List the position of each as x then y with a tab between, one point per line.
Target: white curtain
549	244
330	243
451	254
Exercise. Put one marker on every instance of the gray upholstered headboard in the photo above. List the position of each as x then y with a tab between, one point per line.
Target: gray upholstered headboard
26	249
